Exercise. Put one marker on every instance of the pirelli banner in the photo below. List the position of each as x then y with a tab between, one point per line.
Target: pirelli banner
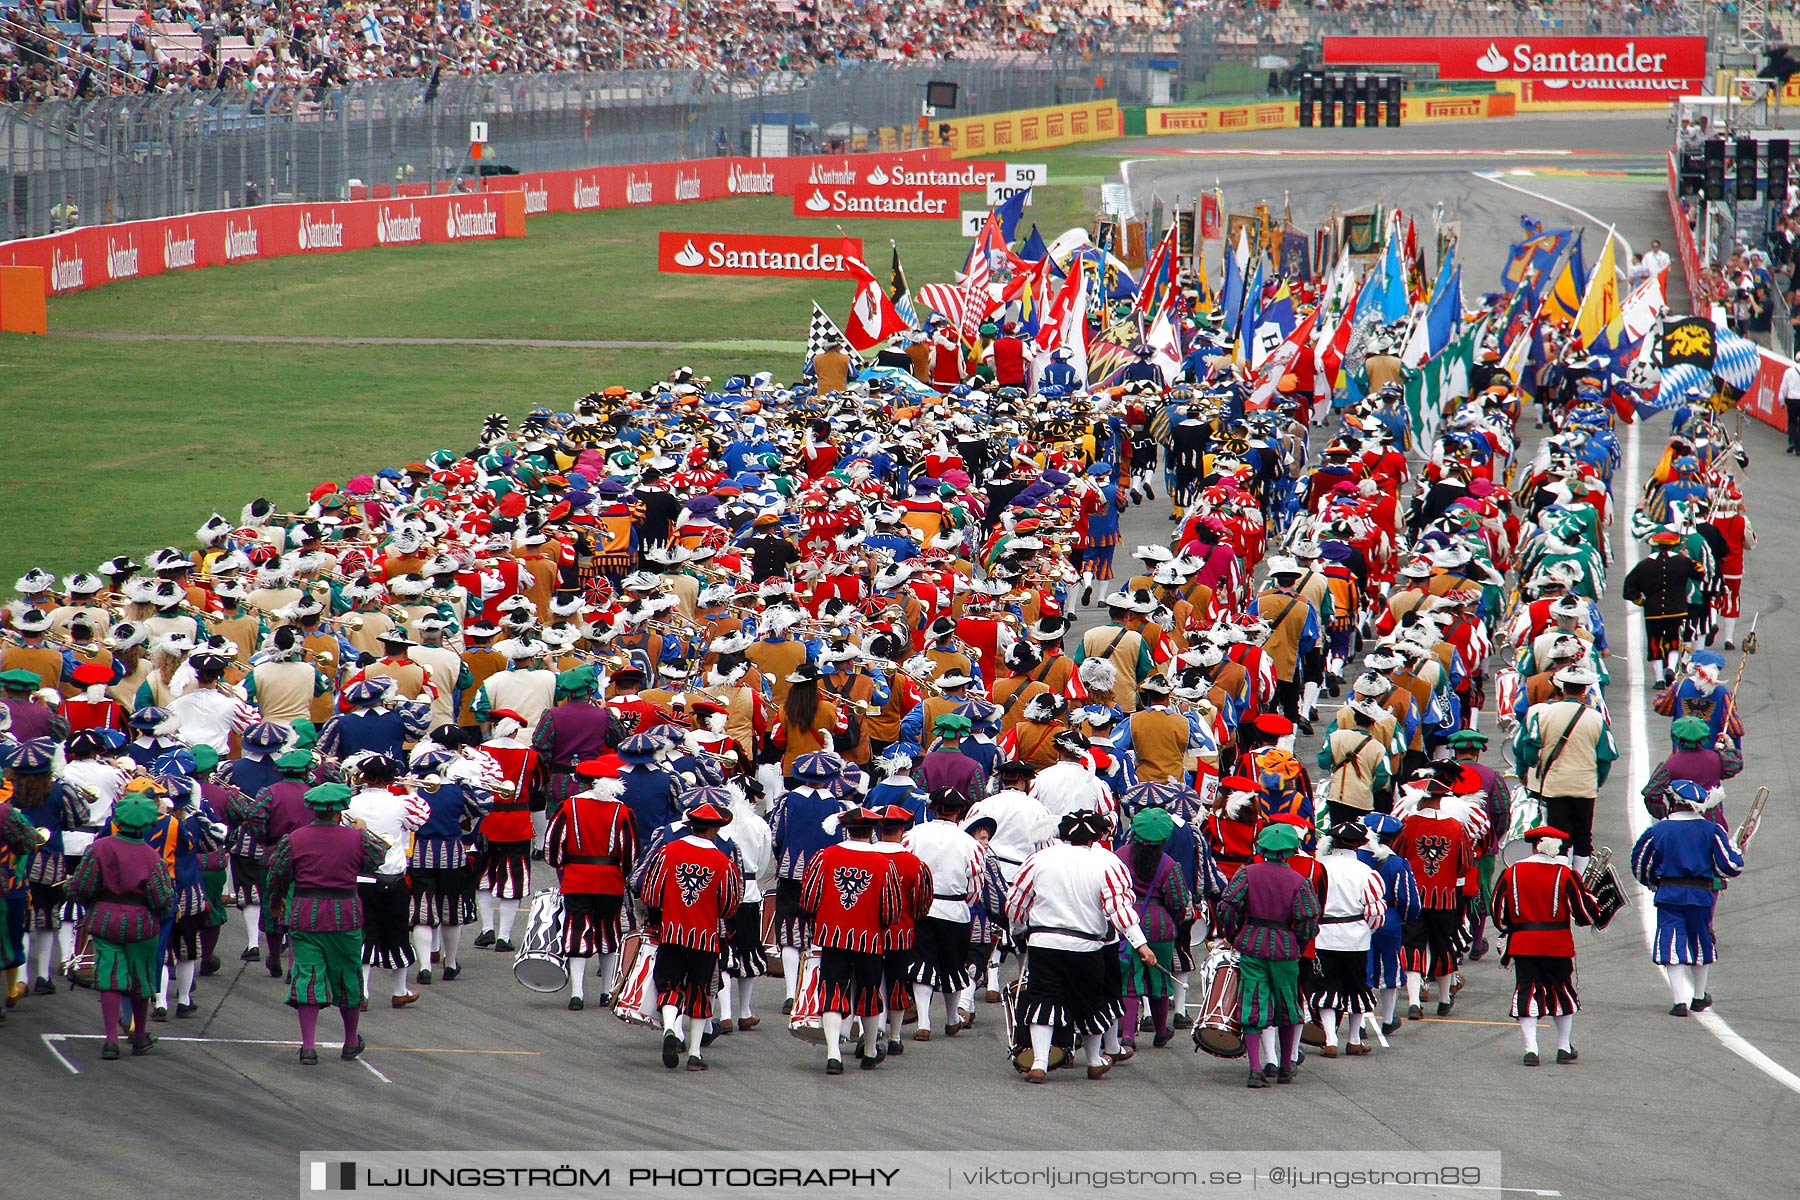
1034	128
1239	118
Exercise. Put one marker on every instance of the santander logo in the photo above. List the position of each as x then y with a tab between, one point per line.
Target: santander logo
745	182
66	273
819	174
876	177
121	261
1492	61
587	195
392	229
817	202
686	188
537	200
461	223
321	235
639	191
689	256
241	243
180	251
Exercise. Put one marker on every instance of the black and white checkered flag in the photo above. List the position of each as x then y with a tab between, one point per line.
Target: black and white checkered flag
820	335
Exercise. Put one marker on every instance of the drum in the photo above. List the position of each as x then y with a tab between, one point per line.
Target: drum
539	964
1017	1033
1218	1032
635	1003
1514	852
806	1021
771	952
1312	1034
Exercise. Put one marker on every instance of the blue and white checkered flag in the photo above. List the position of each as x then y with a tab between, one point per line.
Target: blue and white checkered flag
1736	359
1682	383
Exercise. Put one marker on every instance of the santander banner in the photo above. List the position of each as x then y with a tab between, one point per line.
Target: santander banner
85	258
755	254
1603	67
915	204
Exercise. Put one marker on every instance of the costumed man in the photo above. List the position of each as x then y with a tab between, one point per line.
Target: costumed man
1535	900
506	832
1097	527
314	870
592	845
691	888
1686	858
1294	633
804	821
1355	908
956	863
1269	912
852	894
1693	756
1400	892
126	889
1071	903
1564	750
1438	847
744	957
1658	585
1703	695
393	814
1165	907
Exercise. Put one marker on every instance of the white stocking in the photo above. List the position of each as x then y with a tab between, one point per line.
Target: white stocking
421	940
727	997
609	966
577	977
1270	1047
1681	982
1356	1022
1415	983
484	905
399	974
252	923
1109	1039
1309	700
922	1002
1700	971
965	999
1090	1049
696	1031
871	1036
42	952
1565	1027
452	935
743	1003
1528	1030
790	970
65	940
1388	998
1040	1047
539	823
1178	1001
670	1015
509	916
184	980
832	1025
1728	626
1328	1021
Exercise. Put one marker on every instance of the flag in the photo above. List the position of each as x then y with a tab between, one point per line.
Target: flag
1336	349
1034	249
1340	289
1736	360
1252	314
371	30
873	318
898	292
1688	341
1112	351
1210	207
1065	322
1600	304
821	334
1396	302
1642	307
1236	263
1537	252
1518	352
1273	325
1293	355
1161	279
1165	344
1202	284
1009	212
1563	300
1444	314
976	300
944	299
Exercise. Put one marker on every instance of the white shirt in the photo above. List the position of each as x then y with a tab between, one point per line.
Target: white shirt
527	692
1022	826
1064	886
1352	888
755	844
205	716
1790	385
1651	264
955	860
1067	787
391	818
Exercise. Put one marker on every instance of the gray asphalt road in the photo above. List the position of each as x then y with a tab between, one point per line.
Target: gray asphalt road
1656	1106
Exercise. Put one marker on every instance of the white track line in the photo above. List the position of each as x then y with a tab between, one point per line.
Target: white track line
1493	177
50	1040
1640	775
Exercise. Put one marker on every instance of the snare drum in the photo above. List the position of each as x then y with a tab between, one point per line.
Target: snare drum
1017	1033
806	1022
539	964
1218	1031
635	1003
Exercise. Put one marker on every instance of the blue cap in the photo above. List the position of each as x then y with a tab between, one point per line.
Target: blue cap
1382	824
363	693
639	748
820	766
33	756
174	763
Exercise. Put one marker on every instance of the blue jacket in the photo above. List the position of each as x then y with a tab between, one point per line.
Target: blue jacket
1685	847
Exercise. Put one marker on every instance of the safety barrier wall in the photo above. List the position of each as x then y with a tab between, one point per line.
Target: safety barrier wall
1762	400
91	257
1238	118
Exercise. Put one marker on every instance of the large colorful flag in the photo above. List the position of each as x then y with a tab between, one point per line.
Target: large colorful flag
1009	212
1162	278
1203	285
1396	300
1273	326
898	291
1237	262
1065	324
873	318
1600	307
1294	355
1563	300
1337	346
1252	312
1034	249
822	334
977	301
1538	252
1113	350
1444	315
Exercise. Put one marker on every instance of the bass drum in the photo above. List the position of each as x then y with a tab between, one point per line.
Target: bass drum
1218	1031
539	964
1017	1034
636	1002
806	1022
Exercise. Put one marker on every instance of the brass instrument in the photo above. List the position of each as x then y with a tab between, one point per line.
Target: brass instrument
1603	883
349	622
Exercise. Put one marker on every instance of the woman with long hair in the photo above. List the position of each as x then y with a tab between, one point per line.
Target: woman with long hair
807	719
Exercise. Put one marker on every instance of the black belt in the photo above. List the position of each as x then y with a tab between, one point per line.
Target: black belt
1694	881
312	893
1343	920
591	860
510	806
1068	932
950	896
1538	927
1236	858
1267	922
121	898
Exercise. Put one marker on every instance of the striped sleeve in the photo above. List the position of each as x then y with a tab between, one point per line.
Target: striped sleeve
1374	902
1018	900
1118	899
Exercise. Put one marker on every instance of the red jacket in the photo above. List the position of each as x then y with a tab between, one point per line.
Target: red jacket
509	820
693	888
1442	858
916	885
1009	362
1533	894
853	895
1233	843
591	843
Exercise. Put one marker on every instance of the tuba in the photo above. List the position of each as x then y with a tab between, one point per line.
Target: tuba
1602	882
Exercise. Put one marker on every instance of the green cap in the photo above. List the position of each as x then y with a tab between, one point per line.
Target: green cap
1468	737
294	761
305	734
206	759
1692	730
327	797
576	681
952	723
19	679
134	812
1152	826
1278	839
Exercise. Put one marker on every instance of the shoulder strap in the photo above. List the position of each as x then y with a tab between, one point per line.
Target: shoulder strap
1114	644
1545	764
1275	625
1014	698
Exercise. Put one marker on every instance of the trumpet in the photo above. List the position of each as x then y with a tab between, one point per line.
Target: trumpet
349	622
